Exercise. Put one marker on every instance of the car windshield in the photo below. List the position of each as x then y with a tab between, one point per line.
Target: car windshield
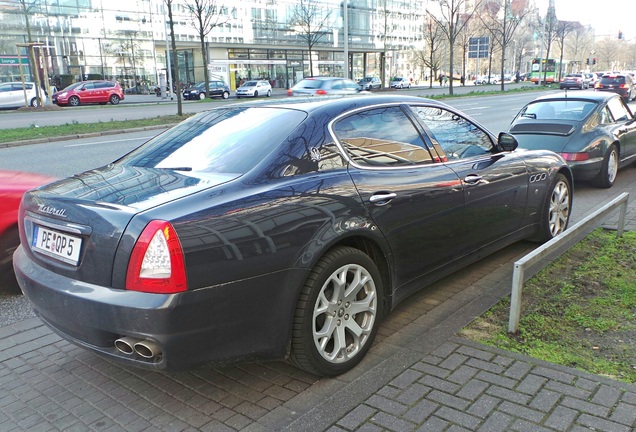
249	84
570	109
74	86
229	140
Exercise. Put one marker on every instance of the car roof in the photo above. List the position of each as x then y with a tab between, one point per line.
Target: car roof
579	95
336	104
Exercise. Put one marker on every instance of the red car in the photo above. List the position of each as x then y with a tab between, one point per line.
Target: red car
13	184
85	92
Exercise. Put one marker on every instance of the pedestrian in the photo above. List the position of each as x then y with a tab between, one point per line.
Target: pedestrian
462	80
441	80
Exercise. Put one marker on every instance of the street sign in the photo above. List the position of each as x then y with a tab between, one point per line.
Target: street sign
478	47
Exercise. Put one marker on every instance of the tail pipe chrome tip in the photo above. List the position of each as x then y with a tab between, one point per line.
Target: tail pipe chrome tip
147	349
126	345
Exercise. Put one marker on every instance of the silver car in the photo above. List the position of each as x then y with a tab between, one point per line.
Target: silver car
319	86
254	88
12	95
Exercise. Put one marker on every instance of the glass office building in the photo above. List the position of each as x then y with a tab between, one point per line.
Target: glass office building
127	40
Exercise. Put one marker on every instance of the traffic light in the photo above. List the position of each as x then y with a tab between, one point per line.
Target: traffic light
594	60
587	61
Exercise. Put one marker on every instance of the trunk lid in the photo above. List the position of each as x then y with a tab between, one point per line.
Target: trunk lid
73	226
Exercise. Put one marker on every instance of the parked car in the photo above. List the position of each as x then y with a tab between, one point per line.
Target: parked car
485	79
13	184
254	88
278	230
399	82
319	86
595	132
87	92
12	95
216	88
573	80
370	83
621	84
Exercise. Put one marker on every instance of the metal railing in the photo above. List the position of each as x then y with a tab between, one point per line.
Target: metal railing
548	248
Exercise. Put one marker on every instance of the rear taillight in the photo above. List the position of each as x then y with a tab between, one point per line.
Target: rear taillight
321	92
156	263
576	156
624	86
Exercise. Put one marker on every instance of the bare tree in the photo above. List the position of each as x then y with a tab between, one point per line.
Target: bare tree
454	17
207	15
175	59
562	30
502	29
608	52
310	22
429	57
579	45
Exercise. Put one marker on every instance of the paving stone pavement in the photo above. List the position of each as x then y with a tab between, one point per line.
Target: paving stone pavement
418	376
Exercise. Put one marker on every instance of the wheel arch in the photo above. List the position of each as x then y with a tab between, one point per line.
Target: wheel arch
377	254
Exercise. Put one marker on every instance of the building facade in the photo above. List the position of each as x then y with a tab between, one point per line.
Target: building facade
128	40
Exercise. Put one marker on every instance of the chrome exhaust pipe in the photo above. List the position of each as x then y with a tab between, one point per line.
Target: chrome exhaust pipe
147	349
126	345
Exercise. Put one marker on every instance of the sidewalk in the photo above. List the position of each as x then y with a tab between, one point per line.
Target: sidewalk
418	376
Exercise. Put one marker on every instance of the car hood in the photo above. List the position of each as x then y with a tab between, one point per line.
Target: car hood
98	205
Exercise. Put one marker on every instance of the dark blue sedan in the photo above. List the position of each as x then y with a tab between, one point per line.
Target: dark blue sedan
278	230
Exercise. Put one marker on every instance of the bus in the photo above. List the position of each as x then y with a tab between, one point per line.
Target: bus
548	70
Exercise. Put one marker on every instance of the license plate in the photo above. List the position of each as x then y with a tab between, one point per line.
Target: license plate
55	244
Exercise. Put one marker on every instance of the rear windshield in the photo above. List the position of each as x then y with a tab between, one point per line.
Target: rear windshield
228	140
311	84
613	80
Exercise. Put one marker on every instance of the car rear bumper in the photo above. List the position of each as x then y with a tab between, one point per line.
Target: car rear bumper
587	170
246	320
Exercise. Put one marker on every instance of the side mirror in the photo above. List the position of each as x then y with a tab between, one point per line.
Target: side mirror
507	142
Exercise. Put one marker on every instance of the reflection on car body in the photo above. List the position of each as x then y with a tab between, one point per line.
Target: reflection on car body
595	132
279	230
320	86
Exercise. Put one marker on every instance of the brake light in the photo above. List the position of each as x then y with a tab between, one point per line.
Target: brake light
156	263
321	92
576	157
290	92
624	86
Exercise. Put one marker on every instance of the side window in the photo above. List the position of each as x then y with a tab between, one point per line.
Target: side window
606	117
89	86
382	137
619	110
458	137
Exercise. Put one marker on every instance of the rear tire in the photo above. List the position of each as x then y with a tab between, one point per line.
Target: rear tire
338	313
609	169
226	95
33	102
114	99
557	207
269	93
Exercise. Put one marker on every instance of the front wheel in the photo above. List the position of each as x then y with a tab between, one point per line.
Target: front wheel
557	207
201	96
73	101
337	314
226	95
607	175
114	99
9	242
255	94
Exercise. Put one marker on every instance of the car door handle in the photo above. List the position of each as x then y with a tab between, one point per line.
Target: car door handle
382	198
473	179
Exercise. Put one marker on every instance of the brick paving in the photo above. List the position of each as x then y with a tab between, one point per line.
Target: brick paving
418	376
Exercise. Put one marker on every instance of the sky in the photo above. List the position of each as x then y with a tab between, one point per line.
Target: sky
607	16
